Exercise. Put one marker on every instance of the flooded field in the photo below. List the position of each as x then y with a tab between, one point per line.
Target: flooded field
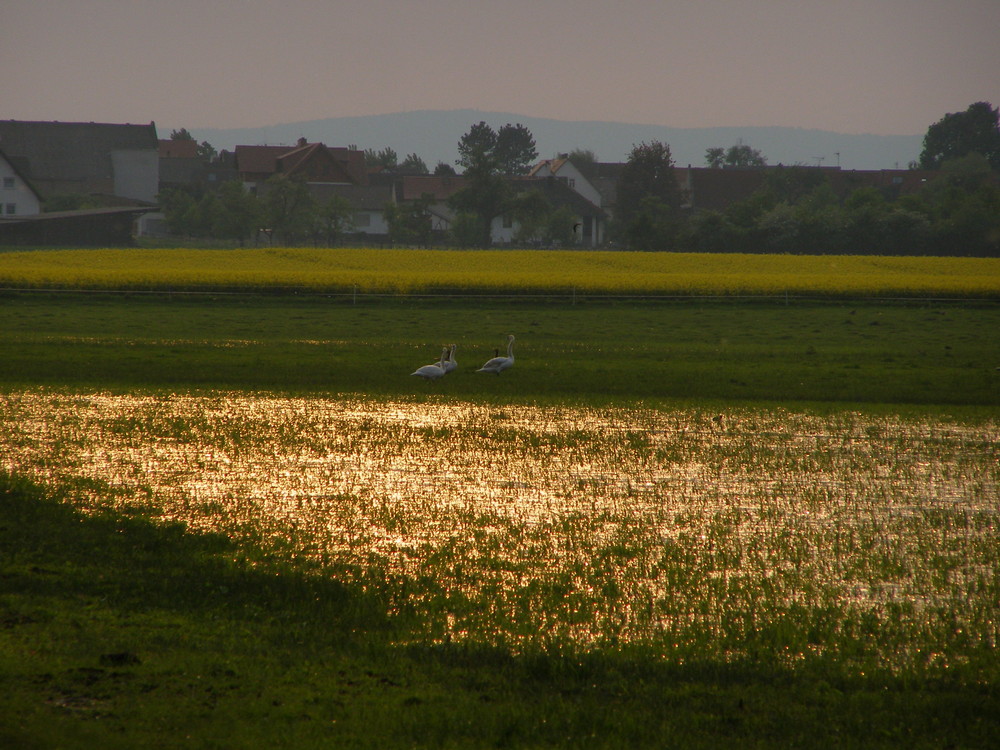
756	532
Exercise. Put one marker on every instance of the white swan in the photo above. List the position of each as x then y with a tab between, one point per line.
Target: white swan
449	363
499	364
435	371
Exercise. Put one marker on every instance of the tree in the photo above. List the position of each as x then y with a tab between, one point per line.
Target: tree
485	197
413	164
582	157
515	149
289	207
649	171
486	157
653	225
410	223
206	152
532	211
236	212
443	169
715	157
386	158
180	211
957	134
477	150
333	218
739	154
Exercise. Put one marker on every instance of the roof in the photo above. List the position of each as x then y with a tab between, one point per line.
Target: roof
18	172
179	148
57	154
559	194
439	187
316	161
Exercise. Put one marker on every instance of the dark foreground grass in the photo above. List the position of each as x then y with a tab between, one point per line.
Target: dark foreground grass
854	352
116	632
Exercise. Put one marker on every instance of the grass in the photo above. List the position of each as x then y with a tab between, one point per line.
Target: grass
123	633
827	552
919	353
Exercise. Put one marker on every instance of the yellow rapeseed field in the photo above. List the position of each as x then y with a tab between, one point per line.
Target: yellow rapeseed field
372	270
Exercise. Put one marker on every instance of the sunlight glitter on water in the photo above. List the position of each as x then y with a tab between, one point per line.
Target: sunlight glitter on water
636	520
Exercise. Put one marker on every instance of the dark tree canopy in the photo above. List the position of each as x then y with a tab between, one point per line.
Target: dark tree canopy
957	134
515	149
487	156
385	158
649	198
508	151
649	172
476	150
740	154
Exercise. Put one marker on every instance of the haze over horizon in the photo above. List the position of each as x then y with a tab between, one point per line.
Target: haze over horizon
892	67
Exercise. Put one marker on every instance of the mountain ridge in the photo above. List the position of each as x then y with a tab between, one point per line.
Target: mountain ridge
434	134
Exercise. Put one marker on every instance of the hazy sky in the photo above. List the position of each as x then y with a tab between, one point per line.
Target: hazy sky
854	66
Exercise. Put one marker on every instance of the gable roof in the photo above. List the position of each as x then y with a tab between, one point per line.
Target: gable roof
72	156
20	175
559	194
314	161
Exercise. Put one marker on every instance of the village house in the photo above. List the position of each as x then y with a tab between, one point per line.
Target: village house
115	164
712	189
17	195
328	172
437	189
110	166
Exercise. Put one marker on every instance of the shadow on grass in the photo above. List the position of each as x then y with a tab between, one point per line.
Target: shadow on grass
49	549
289	684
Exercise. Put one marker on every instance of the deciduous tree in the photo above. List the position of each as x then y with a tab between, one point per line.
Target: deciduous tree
957	134
649	197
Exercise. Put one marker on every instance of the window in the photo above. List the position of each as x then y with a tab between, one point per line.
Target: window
508	222
362	220
11	209
8	182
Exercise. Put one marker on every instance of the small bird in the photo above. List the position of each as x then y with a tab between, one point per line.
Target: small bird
434	371
499	364
449	363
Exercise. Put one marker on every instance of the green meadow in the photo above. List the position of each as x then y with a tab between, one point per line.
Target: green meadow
235	520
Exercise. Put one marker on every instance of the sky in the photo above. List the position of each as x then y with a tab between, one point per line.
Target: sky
885	67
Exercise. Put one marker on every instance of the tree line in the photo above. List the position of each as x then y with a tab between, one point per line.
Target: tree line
795	210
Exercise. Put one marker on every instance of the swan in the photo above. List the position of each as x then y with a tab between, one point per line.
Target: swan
434	371
499	364
449	363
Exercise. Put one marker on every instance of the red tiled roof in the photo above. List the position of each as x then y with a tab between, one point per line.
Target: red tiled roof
335	164
178	149
439	187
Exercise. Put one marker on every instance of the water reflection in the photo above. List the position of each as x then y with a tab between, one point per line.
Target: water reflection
592	525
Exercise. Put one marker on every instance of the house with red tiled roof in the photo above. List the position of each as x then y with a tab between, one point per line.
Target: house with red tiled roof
311	162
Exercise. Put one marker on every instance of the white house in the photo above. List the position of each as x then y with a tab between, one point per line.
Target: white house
566	172
17	196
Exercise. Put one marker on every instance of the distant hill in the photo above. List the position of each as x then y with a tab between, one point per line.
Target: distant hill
434	134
